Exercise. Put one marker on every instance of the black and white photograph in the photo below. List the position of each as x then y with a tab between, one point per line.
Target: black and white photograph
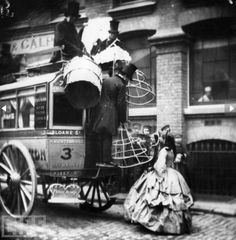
117	119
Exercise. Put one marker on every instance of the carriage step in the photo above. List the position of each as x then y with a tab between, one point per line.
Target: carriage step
65	200
106	165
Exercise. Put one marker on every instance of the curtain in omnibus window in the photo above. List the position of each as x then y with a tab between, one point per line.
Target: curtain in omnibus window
8	117
26	112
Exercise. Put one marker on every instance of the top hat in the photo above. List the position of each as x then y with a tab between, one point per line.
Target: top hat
129	70
6	48
114	24
72	9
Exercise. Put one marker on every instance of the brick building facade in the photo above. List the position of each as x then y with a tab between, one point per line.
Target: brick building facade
182	46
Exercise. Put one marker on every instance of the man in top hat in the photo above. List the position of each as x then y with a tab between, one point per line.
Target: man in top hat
113	35
8	65
100	46
66	35
111	111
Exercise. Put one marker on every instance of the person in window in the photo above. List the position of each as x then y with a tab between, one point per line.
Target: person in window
66	35
111	110
207	97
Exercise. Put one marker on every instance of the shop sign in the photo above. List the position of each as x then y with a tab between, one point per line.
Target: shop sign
32	44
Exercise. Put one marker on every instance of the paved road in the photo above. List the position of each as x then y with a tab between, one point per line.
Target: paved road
62	222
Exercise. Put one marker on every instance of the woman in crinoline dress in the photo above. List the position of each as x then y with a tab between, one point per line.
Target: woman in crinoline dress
160	199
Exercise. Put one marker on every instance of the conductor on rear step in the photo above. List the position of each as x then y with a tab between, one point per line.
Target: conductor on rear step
111	111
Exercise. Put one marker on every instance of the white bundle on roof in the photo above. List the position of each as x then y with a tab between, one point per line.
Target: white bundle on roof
112	53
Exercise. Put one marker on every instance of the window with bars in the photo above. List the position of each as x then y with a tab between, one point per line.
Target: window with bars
212	167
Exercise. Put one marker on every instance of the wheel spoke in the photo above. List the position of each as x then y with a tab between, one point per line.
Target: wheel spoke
5	189
104	191
13	203
23	199
3	179
21	160
82	185
17	158
5	168
18	195
23	167
10	154
86	195
14	158
25	172
26	192
6	196
26	182
92	199
7	160
99	197
18	202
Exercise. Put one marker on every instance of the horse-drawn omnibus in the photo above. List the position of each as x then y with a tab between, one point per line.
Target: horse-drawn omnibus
43	140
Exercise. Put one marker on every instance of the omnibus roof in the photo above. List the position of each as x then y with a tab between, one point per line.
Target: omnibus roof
28	81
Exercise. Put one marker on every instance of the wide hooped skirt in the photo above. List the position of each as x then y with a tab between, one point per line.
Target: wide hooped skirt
160	204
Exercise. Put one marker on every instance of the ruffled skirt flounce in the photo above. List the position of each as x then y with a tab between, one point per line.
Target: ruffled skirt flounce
160	203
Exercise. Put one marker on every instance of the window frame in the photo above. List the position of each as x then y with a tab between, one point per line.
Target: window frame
152	71
16	95
191	59
60	89
16	113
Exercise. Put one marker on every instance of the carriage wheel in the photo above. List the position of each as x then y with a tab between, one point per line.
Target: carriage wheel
94	192
18	181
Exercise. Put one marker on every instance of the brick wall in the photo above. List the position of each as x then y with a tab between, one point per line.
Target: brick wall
171	91
168	11
96	9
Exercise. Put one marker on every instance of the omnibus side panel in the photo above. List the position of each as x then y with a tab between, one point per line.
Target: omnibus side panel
66	153
37	147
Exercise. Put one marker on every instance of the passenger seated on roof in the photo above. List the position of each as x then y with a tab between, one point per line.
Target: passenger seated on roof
8	65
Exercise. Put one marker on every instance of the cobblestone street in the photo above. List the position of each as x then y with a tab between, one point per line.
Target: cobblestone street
60	221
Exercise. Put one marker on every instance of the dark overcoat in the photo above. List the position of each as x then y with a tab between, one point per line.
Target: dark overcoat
111	110
66	34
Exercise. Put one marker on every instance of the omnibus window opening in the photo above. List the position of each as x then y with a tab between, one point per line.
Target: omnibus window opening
26	112
8	117
63	113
